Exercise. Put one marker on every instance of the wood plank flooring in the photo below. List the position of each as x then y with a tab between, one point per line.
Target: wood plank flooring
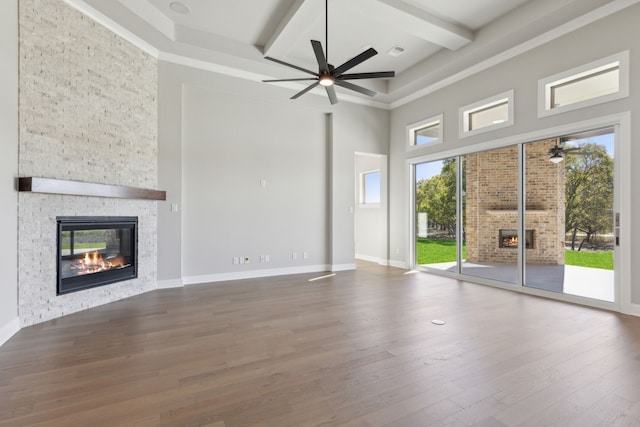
357	349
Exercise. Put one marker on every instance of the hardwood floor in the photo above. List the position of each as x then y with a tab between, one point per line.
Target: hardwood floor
357	349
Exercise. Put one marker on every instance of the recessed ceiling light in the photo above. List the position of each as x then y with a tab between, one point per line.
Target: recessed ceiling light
178	7
396	51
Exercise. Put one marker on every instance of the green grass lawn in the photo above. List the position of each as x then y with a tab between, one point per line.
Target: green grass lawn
433	251
597	259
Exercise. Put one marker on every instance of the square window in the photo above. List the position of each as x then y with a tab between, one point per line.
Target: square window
370	188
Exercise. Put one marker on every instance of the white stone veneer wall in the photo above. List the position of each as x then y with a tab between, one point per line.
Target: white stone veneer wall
88	112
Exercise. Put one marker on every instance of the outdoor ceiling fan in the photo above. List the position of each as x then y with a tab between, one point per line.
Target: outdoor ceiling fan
328	75
559	149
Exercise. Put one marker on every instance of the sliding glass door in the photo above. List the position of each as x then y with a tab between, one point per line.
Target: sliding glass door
436	214
491	214
537	214
569	214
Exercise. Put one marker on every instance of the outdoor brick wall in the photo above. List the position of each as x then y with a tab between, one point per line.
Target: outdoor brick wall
492	200
88	112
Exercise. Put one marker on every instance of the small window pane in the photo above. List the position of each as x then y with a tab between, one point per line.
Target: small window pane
583	88
371	187
427	134
493	115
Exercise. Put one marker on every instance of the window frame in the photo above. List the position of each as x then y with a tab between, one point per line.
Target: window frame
582	72
465	113
363	189
413	128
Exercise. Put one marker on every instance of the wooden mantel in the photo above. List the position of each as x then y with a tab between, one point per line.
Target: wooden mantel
79	188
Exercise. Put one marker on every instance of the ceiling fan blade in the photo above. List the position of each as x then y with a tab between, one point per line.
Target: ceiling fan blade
291	65
355	88
288	80
378	75
305	90
331	92
355	61
322	60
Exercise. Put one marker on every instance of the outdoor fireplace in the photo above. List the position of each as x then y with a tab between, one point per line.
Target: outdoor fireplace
95	251
509	239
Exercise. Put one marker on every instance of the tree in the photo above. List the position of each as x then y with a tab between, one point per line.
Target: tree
437	197
588	192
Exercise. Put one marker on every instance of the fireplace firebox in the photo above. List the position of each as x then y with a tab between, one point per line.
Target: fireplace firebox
95	251
509	239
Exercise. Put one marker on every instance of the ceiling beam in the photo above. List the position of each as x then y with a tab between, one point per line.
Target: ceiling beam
295	22
407	18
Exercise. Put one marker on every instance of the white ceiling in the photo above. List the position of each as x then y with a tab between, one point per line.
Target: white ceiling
442	38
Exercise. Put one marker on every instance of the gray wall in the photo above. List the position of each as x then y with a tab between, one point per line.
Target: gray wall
355	129
371	220
8	168
219	138
611	35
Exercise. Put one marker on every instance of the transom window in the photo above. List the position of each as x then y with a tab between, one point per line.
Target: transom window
487	115
425	132
594	83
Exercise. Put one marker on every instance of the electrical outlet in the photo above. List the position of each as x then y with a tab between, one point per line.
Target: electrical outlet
267	258
236	260
305	255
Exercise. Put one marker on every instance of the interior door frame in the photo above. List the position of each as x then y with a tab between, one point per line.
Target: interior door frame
621	123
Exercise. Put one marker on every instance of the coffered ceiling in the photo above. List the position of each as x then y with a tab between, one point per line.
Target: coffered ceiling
441	39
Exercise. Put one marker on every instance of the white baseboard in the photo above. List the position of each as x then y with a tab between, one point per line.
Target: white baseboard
9	330
398	264
368	258
634	309
253	274
171	283
343	267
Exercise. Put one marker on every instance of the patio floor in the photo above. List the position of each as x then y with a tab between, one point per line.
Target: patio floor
587	282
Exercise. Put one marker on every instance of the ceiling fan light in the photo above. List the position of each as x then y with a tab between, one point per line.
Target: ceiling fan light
556	158
326	80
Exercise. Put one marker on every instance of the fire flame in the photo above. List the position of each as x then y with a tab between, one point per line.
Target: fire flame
94	263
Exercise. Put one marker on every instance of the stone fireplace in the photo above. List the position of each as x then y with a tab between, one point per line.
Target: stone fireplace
491	210
87	113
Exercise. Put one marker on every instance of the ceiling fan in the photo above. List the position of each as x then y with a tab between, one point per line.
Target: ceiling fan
558	150
328	75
